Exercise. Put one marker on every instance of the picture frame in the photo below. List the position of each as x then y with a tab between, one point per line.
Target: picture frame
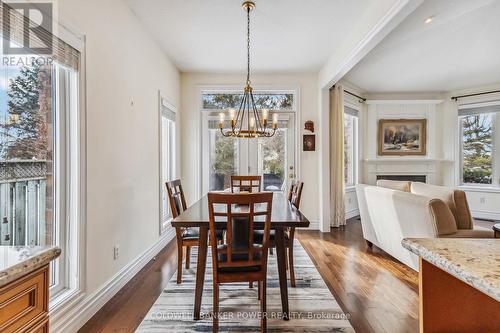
309	142
402	137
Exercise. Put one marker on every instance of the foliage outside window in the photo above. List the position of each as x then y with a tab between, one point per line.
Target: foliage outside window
272	101
477	147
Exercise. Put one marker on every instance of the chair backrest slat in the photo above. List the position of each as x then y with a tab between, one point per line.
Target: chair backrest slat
176	197
246	183
238	210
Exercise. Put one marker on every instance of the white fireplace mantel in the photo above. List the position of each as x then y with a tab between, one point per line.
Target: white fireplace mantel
402	166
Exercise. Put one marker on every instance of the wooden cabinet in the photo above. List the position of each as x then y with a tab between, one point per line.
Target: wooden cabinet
24	303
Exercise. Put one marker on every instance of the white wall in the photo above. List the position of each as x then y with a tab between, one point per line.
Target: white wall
123	66
191	130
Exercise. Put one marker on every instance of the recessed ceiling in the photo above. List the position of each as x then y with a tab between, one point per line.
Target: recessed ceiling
458	49
286	35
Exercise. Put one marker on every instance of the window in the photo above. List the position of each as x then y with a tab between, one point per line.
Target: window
478	143
270	100
168	160
273	158
39	154
350	146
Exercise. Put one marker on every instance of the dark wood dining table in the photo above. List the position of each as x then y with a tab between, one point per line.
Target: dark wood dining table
284	215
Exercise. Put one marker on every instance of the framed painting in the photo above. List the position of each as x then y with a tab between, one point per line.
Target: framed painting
402	137
309	142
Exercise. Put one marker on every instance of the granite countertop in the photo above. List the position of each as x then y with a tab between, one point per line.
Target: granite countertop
474	261
17	261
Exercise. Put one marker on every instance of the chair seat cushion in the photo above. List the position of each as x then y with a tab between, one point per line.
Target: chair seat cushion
191	234
241	269
258	236
194	234
238	256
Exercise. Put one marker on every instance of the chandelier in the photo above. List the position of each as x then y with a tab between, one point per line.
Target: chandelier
247	122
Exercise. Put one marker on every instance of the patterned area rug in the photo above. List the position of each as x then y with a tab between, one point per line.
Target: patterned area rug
312	306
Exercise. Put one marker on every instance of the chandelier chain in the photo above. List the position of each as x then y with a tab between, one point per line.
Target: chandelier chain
248	45
248	114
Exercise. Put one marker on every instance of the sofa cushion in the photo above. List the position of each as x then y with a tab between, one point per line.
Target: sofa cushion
455	199
394	185
443	218
477	232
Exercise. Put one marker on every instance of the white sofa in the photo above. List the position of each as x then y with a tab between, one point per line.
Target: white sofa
390	212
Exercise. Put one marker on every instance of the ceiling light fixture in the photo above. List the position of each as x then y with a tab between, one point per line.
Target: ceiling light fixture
248	122
429	19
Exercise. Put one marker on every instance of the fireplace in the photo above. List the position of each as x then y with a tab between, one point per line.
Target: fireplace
410	178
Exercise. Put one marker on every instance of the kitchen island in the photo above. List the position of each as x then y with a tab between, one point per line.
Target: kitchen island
459	284
24	287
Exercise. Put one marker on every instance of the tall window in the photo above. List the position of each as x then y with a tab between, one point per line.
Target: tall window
39	151
479	130
168	160
350	146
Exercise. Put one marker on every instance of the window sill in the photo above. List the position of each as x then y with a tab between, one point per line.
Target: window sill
64	298
486	189
350	188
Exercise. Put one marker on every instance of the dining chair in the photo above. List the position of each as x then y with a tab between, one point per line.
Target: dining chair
246	183
186	237
294	196
239	258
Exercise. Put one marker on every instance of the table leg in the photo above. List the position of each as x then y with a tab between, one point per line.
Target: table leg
281	255
200	271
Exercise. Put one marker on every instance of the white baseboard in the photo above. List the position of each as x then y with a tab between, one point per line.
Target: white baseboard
351	213
72	317
483	214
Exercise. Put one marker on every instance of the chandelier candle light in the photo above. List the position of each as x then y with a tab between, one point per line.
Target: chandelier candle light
256	125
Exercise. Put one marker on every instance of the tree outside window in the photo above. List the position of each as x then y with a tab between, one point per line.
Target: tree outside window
477	147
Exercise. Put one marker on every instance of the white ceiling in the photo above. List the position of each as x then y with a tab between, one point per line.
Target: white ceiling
287	35
459	49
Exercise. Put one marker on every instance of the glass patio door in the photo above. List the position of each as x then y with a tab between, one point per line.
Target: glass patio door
274	158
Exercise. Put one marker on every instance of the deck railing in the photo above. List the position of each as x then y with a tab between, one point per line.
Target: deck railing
24	202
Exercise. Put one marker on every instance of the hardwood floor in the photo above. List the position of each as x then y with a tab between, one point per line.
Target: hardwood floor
379	293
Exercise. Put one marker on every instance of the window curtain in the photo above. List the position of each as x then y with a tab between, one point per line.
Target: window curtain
337	191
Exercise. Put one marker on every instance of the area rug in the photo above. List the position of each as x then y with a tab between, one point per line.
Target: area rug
312	306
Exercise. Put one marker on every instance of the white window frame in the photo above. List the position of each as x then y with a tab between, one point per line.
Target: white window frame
74	184
495	184
69	190
257	89
355	158
168	112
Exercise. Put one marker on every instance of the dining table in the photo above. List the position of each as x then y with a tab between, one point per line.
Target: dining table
284	215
